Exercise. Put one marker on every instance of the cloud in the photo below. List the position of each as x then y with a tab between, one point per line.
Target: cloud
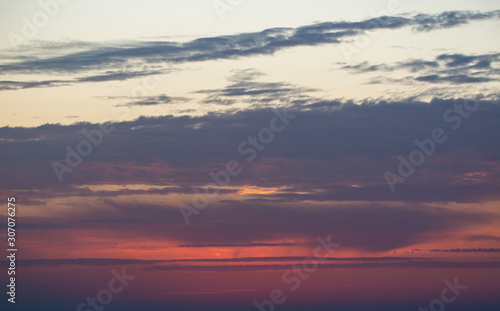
241	45
411	264
468	250
364	226
121	262
460	60
118	76
341	263
333	150
17	85
426	22
483	238
327	167
445	68
456	79
104	77
414	65
155	100
237	245
244	88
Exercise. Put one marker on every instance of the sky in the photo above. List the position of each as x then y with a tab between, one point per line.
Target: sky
252	155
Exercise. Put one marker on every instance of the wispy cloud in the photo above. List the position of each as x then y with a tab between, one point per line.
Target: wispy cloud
445	68
113	56
243	87
468	250
155	100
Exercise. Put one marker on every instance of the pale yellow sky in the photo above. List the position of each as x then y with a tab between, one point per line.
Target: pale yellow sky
316	67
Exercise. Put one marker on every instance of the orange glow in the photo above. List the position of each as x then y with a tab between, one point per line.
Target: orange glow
247	189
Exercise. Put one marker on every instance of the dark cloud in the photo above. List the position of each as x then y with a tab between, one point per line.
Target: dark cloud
237	245
265	42
85	262
111	63
105	77
445	68
244	88
155	100
332	150
407	193
362	226
417	65
410	264
456	79
118	76
366	67
426	22
412	65
456	60
121	262
483	238
18	85
468	250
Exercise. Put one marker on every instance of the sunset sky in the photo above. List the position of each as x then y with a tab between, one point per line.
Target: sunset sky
344	154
